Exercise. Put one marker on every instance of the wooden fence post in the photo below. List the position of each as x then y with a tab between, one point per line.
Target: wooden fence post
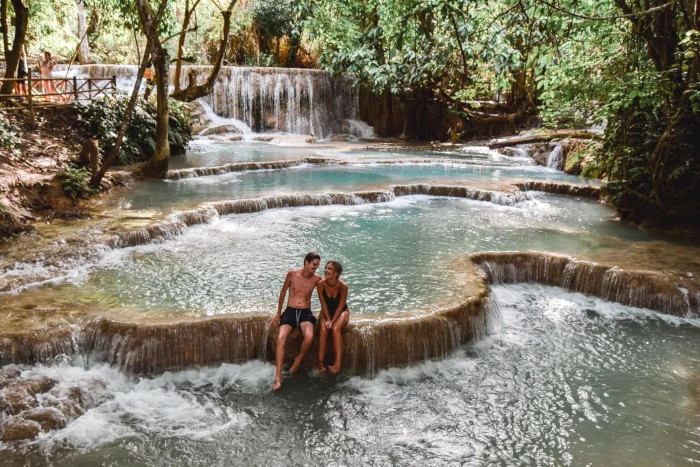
75	89
114	83
30	99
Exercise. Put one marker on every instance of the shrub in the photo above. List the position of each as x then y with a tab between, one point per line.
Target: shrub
103	118
9	133
75	182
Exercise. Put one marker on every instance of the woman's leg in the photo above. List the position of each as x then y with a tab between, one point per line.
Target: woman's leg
322	346
338	326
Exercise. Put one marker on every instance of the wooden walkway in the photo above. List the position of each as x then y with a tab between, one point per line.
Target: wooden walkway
54	92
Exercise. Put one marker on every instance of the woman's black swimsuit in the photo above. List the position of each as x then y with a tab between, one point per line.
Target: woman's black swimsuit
332	302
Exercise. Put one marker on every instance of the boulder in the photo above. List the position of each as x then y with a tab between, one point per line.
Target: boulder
15	400
49	418
8	375
21	429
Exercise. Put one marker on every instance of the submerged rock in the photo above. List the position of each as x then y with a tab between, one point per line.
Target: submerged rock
49	418
21	429
15	400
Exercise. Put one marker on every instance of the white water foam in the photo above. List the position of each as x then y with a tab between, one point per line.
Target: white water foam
171	405
215	121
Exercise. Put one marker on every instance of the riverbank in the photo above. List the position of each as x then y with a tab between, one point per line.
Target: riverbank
30	162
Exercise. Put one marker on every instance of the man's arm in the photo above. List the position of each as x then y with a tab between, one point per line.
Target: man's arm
283	293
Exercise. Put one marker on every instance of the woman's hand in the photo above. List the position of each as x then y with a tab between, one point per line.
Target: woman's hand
329	324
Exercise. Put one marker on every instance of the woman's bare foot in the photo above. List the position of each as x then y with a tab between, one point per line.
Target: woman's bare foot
277	384
321	368
295	367
335	369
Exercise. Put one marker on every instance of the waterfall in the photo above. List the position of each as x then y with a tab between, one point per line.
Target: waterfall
300	101
642	289
556	160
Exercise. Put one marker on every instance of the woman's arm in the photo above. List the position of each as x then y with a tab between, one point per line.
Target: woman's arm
341	304
324	307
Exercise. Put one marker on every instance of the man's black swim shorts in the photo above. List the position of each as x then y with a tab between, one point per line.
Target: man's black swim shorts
296	316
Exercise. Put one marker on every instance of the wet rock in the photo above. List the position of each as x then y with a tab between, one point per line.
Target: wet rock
8	375
540	153
39	385
340	138
264	139
90	395
215	130
15	400
49	418
21	429
235	138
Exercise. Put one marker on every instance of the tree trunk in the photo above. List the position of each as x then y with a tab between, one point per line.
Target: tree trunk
5	30
12	56
181	41
157	166
84	47
193	90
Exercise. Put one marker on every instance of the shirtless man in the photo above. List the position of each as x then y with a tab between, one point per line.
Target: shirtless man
300	282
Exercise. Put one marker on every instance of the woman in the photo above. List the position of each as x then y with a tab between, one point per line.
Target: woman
46	67
332	293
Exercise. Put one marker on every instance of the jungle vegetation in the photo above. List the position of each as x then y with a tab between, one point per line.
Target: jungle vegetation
628	66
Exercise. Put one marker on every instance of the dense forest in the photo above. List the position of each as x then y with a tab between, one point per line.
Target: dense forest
627	66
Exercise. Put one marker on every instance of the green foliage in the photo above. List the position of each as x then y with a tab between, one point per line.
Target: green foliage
9	134
274	17
103	118
52	27
75	183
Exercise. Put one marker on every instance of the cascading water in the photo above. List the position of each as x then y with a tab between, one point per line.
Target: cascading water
555	160
300	101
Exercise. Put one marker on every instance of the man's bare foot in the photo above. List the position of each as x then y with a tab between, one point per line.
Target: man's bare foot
321	368
277	384
335	369
295	367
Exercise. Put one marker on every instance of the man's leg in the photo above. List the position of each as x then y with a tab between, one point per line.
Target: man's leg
322	346
338	340
308	330
285	329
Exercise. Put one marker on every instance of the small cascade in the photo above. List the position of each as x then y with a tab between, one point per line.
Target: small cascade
631	288
38	346
217	124
570	189
239	167
516	152
495	197
143	348
357	129
177	223
555	160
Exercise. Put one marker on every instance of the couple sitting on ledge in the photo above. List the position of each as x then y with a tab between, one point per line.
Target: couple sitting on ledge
332	293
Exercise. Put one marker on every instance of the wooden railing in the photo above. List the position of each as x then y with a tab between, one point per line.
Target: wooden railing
39	92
